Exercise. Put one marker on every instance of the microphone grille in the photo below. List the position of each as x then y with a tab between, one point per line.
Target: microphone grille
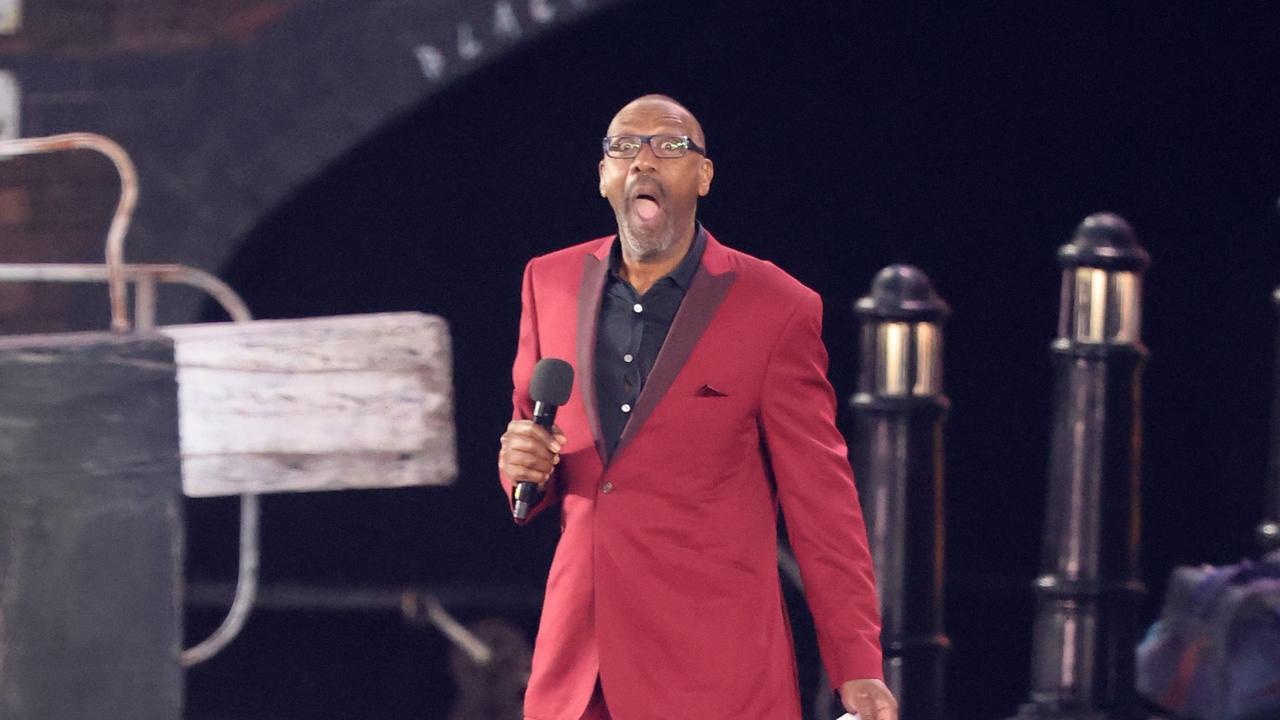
552	382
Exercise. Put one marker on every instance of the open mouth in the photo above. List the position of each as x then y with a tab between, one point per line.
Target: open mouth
646	206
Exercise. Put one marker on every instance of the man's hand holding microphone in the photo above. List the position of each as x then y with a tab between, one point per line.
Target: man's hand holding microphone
531	448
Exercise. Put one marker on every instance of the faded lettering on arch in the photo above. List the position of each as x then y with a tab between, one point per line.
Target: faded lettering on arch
504	24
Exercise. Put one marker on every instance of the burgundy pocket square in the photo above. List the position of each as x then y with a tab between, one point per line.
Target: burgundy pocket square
710	391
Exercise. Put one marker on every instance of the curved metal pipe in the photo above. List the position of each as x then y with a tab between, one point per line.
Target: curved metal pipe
246	588
117	274
124	208
250	507
250	510
214	287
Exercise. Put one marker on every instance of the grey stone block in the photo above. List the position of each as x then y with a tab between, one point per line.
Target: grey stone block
90	521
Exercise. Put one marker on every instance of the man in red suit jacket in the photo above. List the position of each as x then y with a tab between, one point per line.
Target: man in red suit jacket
693	420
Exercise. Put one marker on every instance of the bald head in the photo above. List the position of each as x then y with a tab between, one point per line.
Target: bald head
668	107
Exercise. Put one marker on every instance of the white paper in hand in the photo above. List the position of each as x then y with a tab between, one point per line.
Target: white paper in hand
847	716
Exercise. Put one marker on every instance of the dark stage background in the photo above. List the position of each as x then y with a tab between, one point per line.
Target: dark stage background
969	142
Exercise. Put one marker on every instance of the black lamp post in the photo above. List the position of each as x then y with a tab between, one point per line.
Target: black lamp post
899	411
1086	625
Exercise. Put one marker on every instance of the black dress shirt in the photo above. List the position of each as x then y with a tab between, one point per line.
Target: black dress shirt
630	332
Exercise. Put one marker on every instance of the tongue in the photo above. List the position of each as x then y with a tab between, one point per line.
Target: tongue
646	208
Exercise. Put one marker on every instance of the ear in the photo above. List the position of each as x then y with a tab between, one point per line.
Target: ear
706	171
600	169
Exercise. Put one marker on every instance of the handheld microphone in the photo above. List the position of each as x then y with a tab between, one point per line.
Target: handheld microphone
550	388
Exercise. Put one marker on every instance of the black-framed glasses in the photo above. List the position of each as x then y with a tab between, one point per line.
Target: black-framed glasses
663	146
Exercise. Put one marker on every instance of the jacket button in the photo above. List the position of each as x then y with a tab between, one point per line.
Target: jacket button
606	488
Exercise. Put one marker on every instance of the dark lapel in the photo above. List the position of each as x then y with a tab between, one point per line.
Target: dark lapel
594	267
710	285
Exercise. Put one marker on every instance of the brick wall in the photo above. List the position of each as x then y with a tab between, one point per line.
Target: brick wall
53	208
109	27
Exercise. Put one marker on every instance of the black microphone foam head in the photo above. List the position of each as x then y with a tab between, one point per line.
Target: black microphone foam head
552	382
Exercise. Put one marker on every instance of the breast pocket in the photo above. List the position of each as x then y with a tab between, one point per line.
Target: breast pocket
713	428
709	390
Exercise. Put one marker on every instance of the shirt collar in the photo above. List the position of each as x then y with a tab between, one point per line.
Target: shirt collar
683	273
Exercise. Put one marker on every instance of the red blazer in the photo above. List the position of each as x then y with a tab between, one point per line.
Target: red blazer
665	580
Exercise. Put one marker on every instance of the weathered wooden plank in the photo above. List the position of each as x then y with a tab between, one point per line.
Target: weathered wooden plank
225	475
359	401
90	528
383	341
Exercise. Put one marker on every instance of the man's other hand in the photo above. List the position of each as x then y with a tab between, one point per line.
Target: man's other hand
870	699
529	453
